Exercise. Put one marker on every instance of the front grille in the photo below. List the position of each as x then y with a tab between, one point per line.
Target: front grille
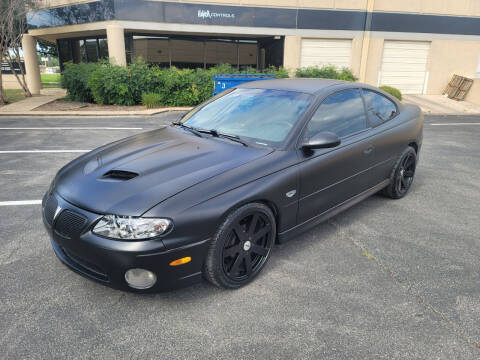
70	224
85	265
49	210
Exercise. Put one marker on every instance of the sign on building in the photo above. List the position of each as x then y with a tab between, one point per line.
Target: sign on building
16	66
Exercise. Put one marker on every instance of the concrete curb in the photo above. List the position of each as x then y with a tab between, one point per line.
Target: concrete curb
94	113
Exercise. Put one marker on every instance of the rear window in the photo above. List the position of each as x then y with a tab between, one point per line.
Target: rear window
380	108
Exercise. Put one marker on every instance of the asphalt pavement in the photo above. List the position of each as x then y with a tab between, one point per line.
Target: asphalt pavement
385	279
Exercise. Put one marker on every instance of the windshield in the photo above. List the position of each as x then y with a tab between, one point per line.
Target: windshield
264	116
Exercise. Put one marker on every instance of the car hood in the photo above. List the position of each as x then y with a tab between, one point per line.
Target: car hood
131	176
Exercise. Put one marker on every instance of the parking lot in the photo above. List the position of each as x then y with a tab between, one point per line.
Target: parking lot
385	279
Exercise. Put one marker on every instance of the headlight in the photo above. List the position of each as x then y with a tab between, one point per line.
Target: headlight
131	228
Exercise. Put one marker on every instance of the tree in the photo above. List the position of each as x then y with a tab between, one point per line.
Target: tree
46	48
13	24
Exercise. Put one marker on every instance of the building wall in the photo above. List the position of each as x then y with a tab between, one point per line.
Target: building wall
446	7
448	57
374	60
291	53
448	54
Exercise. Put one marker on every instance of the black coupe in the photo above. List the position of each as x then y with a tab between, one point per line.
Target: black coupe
208	196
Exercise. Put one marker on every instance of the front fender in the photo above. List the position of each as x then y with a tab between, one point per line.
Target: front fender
201	221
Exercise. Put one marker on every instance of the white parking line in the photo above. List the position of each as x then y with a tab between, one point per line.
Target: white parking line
71	128
21	202
454	124
41	151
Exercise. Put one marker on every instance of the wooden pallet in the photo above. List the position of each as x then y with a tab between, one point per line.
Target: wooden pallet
458	87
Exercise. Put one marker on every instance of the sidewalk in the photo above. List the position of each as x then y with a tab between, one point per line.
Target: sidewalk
441	105
46	96
26	107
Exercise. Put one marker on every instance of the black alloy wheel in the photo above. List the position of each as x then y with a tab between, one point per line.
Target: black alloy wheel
405	174
402	176
241	247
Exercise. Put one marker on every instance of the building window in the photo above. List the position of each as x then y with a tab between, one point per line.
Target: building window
77	50
91	49
179	51
64	51
191	52
102	48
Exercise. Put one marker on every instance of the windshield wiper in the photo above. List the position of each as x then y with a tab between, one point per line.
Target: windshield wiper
215	133
233	138
189	128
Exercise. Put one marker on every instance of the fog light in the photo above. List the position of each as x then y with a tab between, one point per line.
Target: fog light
140	278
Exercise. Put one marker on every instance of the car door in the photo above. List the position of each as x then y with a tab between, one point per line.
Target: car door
382	113
329	177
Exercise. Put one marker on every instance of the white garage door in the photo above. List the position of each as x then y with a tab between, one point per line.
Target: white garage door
326	52
404	65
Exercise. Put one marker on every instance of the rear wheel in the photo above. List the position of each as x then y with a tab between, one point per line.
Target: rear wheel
241	246
402	175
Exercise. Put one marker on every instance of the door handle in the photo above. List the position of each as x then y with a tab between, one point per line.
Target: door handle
368	150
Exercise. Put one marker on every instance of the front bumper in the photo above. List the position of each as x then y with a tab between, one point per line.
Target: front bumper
106	260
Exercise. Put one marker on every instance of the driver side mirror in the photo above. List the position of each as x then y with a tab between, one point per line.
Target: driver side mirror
322	140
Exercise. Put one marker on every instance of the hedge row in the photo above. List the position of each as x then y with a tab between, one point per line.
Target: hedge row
153	86
326	72
75	79
108	84
392	91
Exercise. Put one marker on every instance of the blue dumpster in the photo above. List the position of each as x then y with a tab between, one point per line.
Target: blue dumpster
226	81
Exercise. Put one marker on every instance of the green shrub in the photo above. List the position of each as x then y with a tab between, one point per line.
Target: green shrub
392	91
152	100
75	79
185	87
109	85
204	84
105	83
113	84
326	72
280	72
346	75
223	69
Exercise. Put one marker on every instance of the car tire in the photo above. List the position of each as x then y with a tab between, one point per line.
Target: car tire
241	246
402	175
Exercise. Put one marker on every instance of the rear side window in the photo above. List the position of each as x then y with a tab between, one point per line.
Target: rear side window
380	109
342	113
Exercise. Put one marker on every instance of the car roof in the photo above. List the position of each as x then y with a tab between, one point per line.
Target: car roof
317	87
305	85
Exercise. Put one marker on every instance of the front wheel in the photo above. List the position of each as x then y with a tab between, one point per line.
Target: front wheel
241	246
402	175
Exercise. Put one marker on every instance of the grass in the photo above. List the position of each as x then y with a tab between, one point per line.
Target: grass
14	95
50	85
50	78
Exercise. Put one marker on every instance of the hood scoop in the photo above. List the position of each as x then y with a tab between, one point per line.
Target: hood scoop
119	175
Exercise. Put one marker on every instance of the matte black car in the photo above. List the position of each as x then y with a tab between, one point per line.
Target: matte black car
211	194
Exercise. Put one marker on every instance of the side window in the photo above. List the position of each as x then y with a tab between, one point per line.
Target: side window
380	109
342	113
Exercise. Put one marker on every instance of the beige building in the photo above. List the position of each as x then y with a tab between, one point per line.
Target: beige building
414	45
